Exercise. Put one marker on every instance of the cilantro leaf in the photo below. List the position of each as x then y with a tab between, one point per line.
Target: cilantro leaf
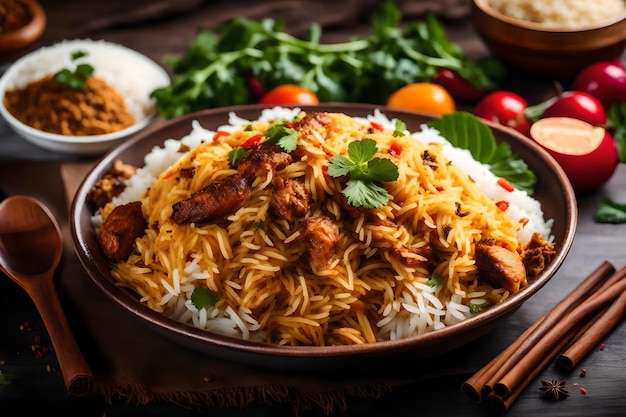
236	155
399	128
283	136
382	169
475	308
609	211
616	123
366	194
362	189
75	79
203	297
435	280
338	166
466	131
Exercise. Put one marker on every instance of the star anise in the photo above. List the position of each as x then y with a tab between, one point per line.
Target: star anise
554	389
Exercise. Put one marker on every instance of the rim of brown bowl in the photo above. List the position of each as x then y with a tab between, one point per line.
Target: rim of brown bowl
314	358
561	55
20	38
484	6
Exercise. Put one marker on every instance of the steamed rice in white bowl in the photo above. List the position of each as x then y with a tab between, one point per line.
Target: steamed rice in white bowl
419	312
133	75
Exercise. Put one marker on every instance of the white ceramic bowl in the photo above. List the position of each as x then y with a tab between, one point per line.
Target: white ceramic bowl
132	74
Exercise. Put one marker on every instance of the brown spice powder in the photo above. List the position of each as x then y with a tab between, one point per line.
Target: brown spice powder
57	108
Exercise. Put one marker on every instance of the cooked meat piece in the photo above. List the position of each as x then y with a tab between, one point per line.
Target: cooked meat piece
262	159
321	236
499	266
403	254
290	198
315	122
212	202
111	185
122	226
537	254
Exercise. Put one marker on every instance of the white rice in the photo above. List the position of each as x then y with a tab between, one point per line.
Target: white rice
425	311
571	14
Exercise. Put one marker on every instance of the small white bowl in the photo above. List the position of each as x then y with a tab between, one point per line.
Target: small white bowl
132	74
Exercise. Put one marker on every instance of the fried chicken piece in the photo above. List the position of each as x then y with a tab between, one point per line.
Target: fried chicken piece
318	122
119	230
321	235
499	266
537	254
212	202
111	185
261	160
290	199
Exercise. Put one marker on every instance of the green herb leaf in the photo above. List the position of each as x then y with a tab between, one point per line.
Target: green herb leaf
214	70
399	129
609	211
475	308
236	155
362	189
616	123
366	194
435	280
78	54
283	136
75	79
203	297
466	131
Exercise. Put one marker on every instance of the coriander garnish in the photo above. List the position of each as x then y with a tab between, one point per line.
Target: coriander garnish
365	172
75	79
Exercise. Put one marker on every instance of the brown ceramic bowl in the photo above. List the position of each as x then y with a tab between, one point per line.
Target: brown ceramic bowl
553	190
14	41
556	53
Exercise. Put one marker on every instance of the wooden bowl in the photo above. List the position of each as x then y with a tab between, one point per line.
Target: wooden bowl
11	42
550	52
553	190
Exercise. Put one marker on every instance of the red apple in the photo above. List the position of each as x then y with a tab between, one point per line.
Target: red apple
587	153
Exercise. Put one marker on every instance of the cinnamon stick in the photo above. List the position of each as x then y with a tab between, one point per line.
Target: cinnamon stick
476	387
592	336
547	343
503	404
481	383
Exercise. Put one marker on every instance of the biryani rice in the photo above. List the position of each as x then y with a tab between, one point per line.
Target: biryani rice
268	291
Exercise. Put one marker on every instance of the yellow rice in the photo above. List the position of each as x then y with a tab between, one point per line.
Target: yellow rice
261	274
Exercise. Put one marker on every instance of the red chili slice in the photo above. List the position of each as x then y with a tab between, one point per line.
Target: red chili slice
395	149
219	134
253	140
506	184
376	126
502	205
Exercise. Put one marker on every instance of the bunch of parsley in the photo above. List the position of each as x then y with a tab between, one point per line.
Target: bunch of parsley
216	68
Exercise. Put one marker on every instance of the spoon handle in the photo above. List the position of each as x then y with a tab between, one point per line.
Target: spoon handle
76	372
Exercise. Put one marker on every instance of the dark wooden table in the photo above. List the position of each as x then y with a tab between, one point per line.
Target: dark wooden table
170	33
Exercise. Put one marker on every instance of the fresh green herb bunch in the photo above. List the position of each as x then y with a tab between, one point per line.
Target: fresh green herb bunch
217	69
75	79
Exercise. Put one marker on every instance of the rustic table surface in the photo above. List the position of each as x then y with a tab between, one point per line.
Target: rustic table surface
160	31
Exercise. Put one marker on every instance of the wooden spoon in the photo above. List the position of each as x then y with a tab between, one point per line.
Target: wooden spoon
30	250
